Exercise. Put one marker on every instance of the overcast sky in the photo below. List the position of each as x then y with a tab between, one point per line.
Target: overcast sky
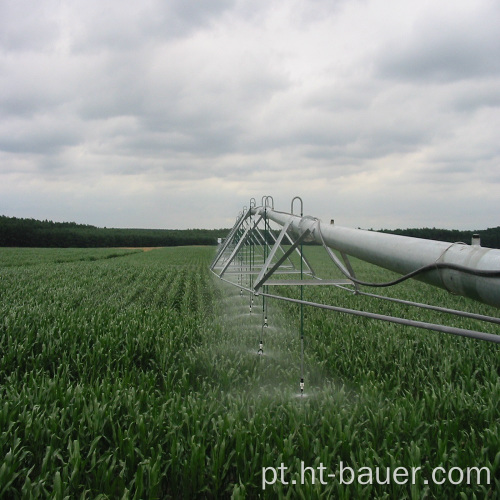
174	113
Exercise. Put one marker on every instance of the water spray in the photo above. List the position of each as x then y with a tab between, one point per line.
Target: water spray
468	270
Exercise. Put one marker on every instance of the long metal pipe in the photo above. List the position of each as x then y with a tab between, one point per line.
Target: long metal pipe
403	254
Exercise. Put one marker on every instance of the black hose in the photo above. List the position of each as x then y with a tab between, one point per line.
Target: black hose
421	270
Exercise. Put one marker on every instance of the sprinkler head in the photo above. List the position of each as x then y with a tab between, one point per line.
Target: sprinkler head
301	386
265	322
261	348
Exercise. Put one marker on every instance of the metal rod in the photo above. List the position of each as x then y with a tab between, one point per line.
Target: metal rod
238	245
404	255
476	273
489	337
262	280
301	298
271	255
455	312
229	237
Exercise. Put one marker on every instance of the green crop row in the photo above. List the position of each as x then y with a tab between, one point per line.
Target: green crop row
138	377
29	256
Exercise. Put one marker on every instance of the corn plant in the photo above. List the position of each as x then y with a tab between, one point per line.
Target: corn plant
127	374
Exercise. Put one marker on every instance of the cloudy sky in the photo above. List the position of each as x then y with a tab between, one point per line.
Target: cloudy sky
174	113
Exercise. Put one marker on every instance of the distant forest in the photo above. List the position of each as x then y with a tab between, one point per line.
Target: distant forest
490	237
15	232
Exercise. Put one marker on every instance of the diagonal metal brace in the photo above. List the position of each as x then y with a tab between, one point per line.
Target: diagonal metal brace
277	244
297	242
347	271
229	238
239	244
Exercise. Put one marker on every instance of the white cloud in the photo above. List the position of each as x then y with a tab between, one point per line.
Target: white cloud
125	114
451	42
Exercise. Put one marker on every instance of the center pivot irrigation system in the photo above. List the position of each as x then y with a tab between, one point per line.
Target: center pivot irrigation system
256	256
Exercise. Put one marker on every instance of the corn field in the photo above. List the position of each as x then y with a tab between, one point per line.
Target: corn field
131	374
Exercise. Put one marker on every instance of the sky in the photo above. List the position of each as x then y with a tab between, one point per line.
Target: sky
175	113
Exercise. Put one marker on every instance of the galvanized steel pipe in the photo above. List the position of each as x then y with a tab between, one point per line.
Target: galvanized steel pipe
403	254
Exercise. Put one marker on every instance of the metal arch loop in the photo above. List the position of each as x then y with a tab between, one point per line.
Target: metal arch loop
301	205
253	203
266	203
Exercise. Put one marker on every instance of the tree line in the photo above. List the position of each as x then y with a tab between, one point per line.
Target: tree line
35	233
17	232
490	237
